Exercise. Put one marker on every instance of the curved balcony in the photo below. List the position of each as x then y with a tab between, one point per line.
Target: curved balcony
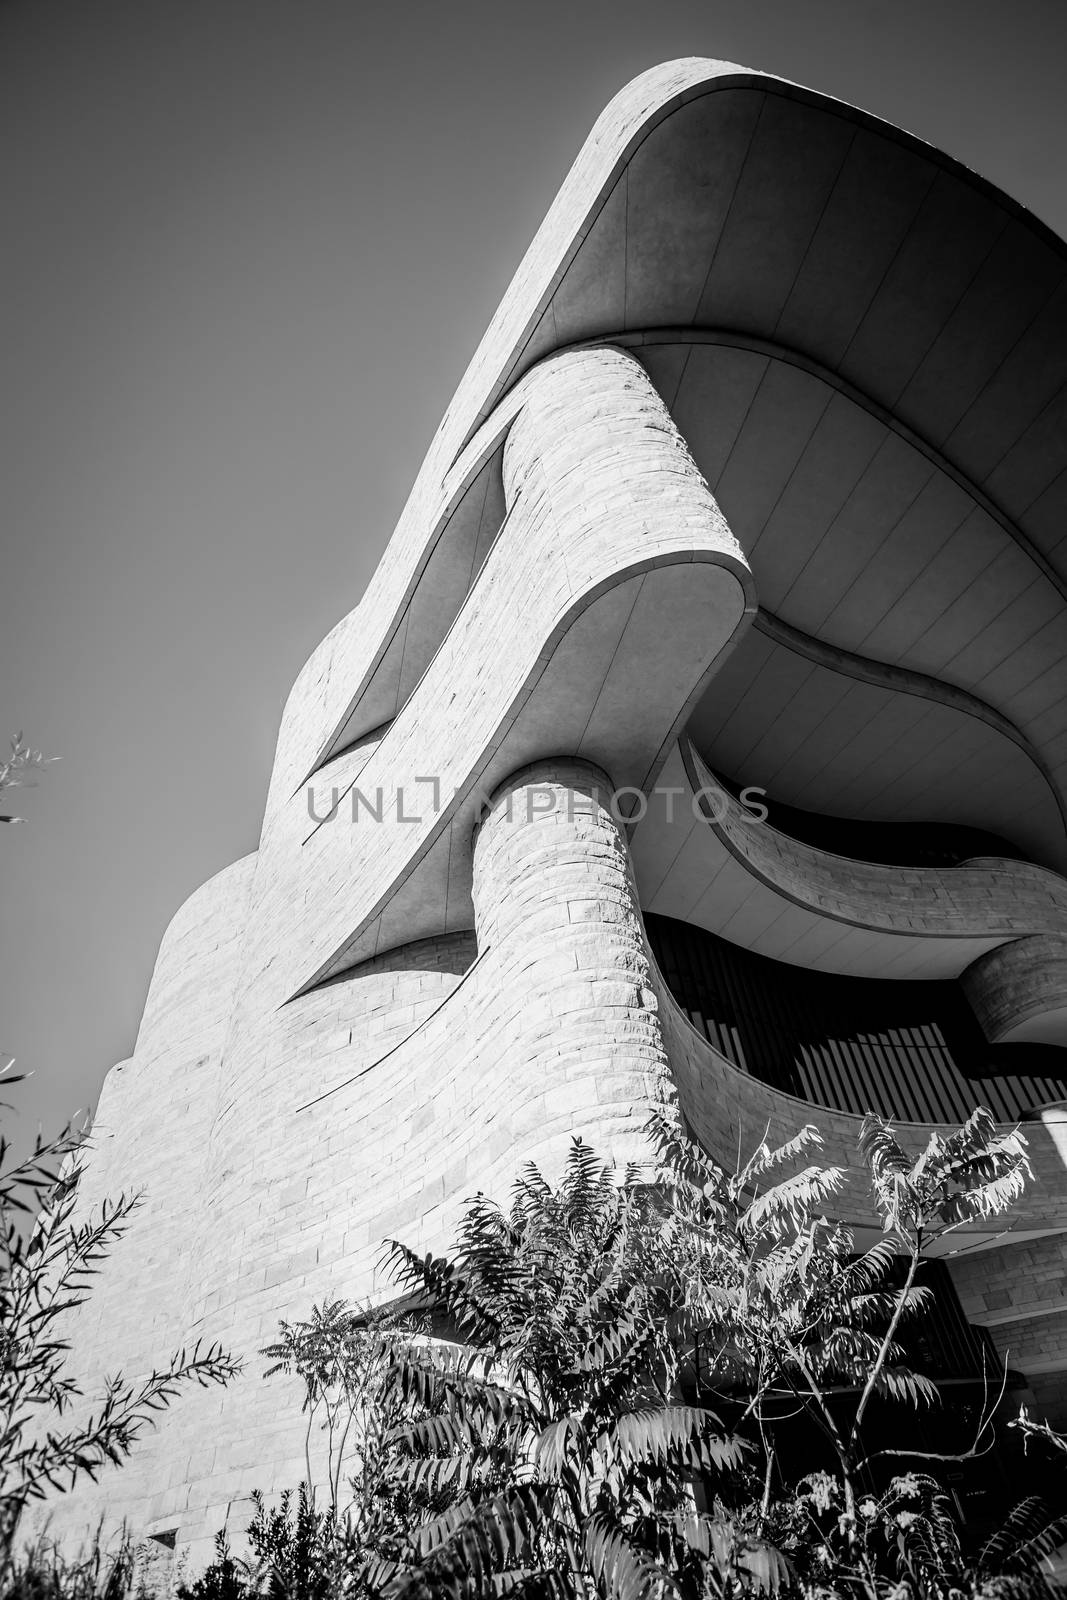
1019	991
888	844
907	1049
728	1109
702	857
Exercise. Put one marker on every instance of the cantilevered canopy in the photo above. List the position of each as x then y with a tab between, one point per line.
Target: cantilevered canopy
865	345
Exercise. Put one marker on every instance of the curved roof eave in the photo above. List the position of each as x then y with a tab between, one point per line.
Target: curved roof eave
521	332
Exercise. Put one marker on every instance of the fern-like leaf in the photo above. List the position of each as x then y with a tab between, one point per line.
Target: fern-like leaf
620	1571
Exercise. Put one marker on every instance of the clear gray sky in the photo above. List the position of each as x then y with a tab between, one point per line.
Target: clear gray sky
249	247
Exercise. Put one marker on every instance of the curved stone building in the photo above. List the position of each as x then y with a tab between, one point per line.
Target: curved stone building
701	739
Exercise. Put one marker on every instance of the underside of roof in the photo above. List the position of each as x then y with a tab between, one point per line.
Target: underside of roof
865	347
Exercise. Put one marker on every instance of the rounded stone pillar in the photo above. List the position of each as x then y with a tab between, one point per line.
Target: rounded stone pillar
1018	991
558	917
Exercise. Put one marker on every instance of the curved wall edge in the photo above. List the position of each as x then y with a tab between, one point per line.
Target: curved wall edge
1018	992
323	697
980	898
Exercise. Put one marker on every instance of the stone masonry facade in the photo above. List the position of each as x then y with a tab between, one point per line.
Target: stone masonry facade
434	968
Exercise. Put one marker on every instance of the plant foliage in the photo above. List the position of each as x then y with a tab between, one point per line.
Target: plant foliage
580	1402
18	768
599	1330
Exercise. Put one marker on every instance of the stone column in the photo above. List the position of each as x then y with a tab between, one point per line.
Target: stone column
558	917
1018	991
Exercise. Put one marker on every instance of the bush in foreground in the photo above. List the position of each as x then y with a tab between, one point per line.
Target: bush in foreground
595	1414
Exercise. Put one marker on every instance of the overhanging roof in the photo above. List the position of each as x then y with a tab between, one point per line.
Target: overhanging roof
865	345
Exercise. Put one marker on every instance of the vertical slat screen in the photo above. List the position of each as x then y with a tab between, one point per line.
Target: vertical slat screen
911	1050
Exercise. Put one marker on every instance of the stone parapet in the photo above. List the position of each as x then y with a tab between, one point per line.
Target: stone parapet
1019	991
1018	1291
727	1109
983	897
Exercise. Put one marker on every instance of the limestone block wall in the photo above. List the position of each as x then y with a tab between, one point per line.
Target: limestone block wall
150	1128
561	925
381	1131
149	1135
152	1132
1019	1292
601	492
600	488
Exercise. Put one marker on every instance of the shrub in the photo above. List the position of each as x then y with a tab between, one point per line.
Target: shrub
296	1553
594	1415
45	1572
17	770
570	1425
